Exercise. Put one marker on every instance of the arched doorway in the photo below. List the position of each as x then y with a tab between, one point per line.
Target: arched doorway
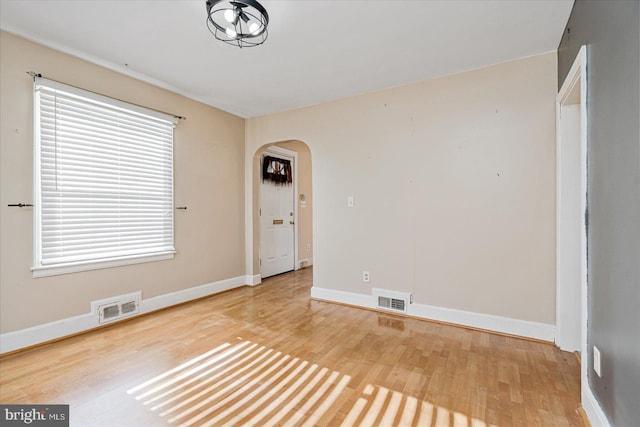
301	215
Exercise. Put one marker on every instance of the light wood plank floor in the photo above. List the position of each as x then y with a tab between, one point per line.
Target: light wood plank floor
270	356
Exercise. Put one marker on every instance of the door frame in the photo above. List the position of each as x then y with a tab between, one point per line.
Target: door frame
276	151
576	78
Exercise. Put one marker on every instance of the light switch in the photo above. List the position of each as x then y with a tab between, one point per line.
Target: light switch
350	202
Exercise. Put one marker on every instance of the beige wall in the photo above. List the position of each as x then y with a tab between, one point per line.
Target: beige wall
454	186
453	179
209	179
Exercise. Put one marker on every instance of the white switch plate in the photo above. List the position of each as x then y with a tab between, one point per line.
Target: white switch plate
596	360
350	202
366	277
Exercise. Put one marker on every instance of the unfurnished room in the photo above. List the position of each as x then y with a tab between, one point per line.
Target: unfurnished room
329	213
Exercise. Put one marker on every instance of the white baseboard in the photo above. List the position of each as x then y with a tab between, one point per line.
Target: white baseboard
307	262
344	297
523	328
166	300
16	340
254	280
505	325
592	408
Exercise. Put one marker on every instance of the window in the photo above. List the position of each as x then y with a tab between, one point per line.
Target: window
276	170
103	181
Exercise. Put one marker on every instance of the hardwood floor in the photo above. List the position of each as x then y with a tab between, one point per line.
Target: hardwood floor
269	356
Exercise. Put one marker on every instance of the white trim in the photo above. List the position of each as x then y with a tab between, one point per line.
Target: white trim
523	328
167	300
343	297
505	325
307	262
577	75
16	340
37	199
254	280
592	408
54	270
280	151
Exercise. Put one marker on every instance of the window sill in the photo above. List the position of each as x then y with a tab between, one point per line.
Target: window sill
75	267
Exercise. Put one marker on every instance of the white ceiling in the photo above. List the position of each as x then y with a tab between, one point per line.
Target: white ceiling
317	50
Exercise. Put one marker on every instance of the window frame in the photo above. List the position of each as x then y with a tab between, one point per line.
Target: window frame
38	268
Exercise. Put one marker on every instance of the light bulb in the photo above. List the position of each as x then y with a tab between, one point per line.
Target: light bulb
229	15
231	33
254	28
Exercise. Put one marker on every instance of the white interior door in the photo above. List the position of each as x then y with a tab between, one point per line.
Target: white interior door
276	228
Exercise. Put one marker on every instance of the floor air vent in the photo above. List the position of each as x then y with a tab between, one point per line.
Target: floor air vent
392	300
391	303
116	308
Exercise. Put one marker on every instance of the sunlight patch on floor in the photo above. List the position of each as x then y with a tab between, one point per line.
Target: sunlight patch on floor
245	384
379	406
242	384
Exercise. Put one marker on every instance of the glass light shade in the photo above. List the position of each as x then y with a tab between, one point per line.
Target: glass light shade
229	15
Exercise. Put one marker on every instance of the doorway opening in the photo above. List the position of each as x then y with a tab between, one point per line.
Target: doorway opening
282	220
571	202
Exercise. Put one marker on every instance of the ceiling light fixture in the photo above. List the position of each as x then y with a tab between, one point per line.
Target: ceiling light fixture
241	23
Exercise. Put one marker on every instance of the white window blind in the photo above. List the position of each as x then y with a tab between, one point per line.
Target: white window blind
104	178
